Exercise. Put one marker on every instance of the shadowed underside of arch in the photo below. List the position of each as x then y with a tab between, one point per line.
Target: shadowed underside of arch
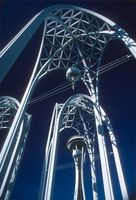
72	35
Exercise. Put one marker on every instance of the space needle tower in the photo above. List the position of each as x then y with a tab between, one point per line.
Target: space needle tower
76	145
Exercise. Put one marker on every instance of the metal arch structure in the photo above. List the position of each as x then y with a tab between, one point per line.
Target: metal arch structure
64	116
78	113
73	17
71	36
8	109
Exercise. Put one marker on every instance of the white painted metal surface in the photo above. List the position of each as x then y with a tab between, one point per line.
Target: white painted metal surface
67	42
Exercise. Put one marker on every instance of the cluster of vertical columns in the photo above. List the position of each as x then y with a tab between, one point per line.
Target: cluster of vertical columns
10	166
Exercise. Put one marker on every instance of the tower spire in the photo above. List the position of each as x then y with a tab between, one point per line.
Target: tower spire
76	145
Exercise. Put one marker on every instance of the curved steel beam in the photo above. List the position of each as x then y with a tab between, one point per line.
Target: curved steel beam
18	43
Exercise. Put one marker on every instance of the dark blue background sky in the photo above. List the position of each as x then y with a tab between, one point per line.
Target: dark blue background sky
117	95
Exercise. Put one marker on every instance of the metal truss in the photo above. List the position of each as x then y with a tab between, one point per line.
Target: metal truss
78	113
71	116
66	116
9	167
72	36
66	24
8	108
67	31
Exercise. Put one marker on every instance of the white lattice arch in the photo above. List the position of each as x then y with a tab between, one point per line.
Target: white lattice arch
70	16
71	35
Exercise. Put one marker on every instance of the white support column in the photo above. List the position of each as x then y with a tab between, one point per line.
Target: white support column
9	162
11	165
108	189
93	172
47	155
116	156
7	57
49	140
52	161
90	149
6	151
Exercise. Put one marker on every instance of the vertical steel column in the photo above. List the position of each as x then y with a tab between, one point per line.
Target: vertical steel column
47	154
7	148
90	148
108	190
11	165
7	57
53	156
116	156
93	171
